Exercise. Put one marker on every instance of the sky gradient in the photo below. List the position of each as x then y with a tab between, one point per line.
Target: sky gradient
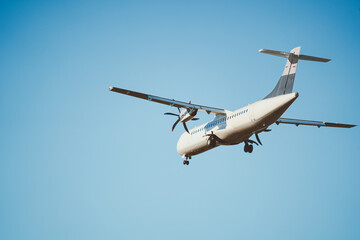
80	162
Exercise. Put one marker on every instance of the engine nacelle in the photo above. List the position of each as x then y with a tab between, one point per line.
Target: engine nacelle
187	114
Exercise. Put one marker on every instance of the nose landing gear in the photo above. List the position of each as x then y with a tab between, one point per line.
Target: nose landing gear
186	162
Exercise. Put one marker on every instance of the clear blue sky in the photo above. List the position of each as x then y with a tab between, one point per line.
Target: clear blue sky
80	162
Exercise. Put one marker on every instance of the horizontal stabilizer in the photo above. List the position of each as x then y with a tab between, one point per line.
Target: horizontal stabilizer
315	59
298	122
275	53
287	55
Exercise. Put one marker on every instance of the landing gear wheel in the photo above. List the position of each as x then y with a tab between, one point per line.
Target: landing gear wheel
186	162
251	148
246	148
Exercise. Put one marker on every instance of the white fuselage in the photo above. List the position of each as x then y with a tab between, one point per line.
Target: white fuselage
235	127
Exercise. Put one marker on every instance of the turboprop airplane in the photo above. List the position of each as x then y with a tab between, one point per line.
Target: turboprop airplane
234	127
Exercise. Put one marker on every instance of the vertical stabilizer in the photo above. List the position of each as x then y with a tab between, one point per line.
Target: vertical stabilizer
286	82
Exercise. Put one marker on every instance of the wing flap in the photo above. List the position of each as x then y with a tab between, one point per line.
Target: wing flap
169	102
298	122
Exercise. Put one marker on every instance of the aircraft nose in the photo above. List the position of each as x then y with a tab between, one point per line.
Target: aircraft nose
181	144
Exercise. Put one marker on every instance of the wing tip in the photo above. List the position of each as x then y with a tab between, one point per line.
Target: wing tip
340	125
111	88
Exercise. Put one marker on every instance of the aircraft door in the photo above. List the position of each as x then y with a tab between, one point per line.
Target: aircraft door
251	114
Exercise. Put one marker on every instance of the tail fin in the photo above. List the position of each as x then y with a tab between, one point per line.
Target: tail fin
286	82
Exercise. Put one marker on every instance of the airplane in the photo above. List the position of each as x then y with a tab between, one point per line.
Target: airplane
234	127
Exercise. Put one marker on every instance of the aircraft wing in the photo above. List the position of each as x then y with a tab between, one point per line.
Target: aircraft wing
170	102
298	122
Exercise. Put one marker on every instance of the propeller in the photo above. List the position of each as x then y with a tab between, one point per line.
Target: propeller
186	127
257	136
212	136
172	114
251	141
178	120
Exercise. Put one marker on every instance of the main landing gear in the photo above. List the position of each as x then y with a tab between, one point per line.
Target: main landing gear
186	162
248	147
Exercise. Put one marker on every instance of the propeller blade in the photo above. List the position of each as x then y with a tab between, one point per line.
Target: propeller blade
257	138
177	121
209	134
194	119
173	114
214	137
251	141
186	127
219	140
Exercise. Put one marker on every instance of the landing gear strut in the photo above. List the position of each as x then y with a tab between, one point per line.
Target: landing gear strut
248	148
186	162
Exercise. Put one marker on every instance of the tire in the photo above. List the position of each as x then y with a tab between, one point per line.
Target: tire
251	148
